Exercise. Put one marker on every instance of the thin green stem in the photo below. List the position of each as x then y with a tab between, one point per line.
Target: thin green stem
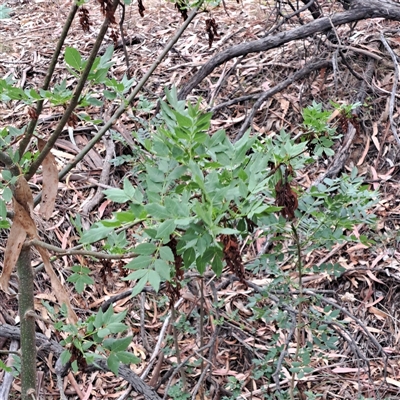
70	252
176	344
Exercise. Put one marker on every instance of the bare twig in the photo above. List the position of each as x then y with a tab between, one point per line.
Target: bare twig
299	315
160	339
284	352
95	254
32	125
142	321
231	102
121	29
340	157
361	9
121	109
394	88
104	177
75	97
279	87
8	376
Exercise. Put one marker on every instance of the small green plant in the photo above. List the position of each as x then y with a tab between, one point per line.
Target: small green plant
176	392
195	197
97	333
346	109
235	386
320	133
5	12
80	277
196	193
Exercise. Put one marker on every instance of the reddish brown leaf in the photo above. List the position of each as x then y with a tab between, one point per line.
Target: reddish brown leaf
58	288
22	194
286	198
23	218
22	226
141	8
13	249
233	257
50	183
174	287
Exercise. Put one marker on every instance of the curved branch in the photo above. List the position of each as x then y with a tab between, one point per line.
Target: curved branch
279	87
361	9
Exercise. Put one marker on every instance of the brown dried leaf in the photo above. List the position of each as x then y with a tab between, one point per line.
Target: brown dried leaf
286	198
58	288
233	257
23	217
50	183
13	249
22	226
22	194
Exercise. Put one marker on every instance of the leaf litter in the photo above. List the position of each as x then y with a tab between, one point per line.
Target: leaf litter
368	288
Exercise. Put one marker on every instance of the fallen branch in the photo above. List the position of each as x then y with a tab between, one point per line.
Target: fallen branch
361	9
394	89
279	87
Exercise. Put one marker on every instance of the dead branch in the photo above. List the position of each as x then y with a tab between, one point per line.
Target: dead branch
394	89
279	87
342	154
361	9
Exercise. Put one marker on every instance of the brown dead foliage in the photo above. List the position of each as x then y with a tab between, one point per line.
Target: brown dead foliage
84	19
175	285
16	238
286	198
50	183
211	29
232	257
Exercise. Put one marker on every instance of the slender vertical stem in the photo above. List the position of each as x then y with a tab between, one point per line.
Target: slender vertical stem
75	96
32	125
125	104
176	343
202	329
299	318
26	309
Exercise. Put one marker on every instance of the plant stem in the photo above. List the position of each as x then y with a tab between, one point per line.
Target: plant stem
32	125
75	97
176	343
121	109
28	341
299	315
202	330
125	104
